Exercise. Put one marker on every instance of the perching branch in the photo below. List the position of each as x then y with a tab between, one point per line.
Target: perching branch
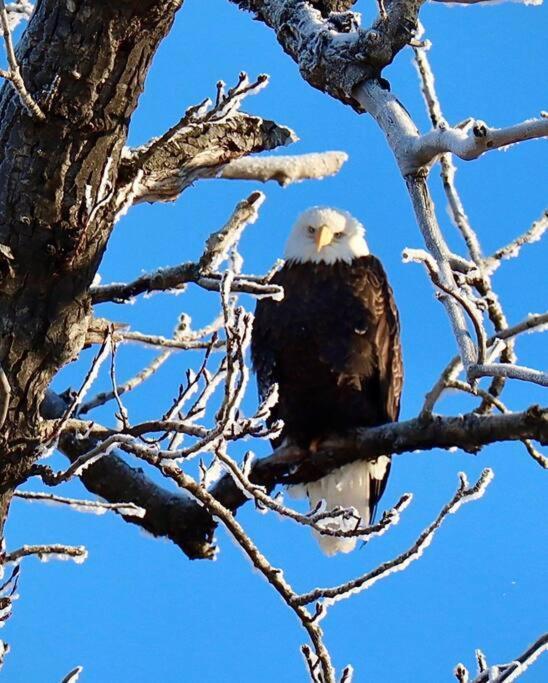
468	432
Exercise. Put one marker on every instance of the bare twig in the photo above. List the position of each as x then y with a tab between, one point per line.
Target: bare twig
73	675
94	506
198	146
77	398
200	273
508	370
47	552
14	72
511	250
504	673
494	401
420	256
533	323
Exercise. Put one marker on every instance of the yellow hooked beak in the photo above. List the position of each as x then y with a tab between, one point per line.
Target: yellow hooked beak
324	236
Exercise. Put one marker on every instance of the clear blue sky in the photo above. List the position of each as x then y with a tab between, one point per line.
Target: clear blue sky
138	611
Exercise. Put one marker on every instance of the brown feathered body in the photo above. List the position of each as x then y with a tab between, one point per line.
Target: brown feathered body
332	345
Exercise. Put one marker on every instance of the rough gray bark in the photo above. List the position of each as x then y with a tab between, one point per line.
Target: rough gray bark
187	524
85	63
337	55
61	181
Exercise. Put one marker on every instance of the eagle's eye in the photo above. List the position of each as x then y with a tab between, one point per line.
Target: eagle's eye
311	229
339	235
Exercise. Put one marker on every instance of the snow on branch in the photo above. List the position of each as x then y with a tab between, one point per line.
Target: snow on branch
200	272
93	506
504	673
206	138
508	370
20	10
471	139
334	53
285	169
464	494
9	17
512	250
53	551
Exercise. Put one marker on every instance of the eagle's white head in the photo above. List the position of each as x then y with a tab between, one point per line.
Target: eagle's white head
325	235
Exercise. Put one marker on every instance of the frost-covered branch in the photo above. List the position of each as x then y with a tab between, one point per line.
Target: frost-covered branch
93	506
18	11
200	272
399	129
285	169
333	53
46	552
465	493
533	323
511	250
206	138
497	403
504	673
472	139
509	370
421	256
13	73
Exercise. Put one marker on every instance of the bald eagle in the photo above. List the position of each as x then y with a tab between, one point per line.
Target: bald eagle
332	346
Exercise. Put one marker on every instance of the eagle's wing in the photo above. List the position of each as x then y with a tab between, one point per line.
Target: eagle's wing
365	351
263	354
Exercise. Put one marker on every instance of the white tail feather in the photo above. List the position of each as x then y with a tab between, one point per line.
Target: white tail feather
346	487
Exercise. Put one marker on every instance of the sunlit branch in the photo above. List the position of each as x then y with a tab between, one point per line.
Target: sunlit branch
285	169
464	494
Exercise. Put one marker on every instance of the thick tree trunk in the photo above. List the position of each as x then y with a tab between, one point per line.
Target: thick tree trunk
85	63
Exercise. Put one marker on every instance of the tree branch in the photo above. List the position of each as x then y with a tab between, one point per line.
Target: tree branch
171	515
469	432
335	55
198	146
200	272
509	672
473	139
285	169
